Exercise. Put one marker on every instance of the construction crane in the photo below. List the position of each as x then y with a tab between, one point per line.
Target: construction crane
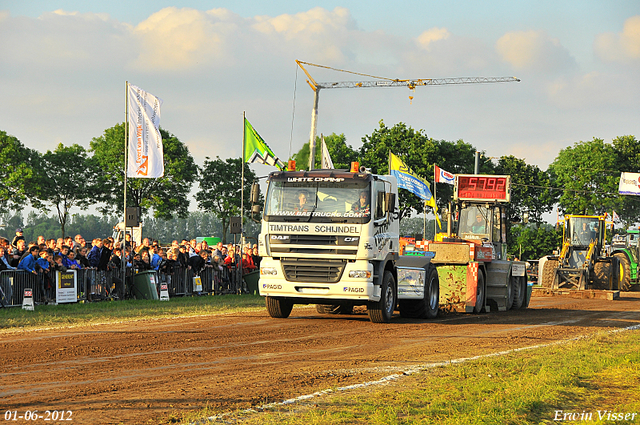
382	82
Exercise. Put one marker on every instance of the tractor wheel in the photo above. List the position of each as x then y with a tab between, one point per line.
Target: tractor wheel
480	294
382	311
601	273
280	308
511	289
625	271
549	273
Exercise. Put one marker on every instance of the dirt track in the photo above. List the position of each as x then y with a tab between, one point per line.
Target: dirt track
141	372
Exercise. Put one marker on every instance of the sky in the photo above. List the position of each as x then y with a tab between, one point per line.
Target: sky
64	64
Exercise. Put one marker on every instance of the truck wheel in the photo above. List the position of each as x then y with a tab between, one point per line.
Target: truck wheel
520	292
549	273
381	311
334	309
426	308
511	289
625	271
280	308
480	294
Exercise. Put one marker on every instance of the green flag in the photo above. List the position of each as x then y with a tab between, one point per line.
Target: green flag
256	150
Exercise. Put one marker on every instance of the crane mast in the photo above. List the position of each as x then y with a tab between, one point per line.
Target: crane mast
381	82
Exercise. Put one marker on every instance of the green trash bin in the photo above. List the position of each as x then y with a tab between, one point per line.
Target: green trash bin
144	285
252	281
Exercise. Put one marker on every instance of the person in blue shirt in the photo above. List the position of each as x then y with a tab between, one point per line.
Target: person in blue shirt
28	263
154	257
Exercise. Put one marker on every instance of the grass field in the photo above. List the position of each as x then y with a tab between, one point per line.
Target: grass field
594	380
62	315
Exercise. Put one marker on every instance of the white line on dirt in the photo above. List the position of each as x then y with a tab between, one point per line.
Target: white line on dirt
395	376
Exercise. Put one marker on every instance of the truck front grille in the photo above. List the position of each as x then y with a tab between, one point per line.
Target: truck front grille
307	270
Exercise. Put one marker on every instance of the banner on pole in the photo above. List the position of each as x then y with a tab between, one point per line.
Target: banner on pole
407	179
256	150
629	184
443	176
146	158
327	163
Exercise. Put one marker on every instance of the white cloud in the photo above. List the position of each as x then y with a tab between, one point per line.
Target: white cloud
425	39
534	50
621	47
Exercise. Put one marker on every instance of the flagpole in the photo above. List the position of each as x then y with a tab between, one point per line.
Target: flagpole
123	254
435	222
244	130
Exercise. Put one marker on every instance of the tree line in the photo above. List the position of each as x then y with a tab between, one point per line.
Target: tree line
582	179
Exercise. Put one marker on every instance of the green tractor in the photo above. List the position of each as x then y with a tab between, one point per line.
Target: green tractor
582	262
625	249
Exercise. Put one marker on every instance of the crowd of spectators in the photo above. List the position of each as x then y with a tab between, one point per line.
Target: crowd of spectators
45	256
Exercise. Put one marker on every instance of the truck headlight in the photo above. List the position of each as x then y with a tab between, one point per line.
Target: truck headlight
268	271
360	274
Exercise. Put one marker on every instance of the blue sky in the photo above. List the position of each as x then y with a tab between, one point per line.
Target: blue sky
63	67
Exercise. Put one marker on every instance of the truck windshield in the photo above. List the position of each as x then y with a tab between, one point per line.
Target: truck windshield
330	202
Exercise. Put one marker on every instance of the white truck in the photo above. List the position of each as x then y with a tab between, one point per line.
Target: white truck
330	238
119	232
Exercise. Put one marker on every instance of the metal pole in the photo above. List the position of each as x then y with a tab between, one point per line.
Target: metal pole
477	165
314	123
123	255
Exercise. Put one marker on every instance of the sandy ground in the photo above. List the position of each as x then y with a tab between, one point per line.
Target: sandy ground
143	371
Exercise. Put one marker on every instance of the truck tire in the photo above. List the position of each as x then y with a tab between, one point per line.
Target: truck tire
520	292
426	308
280	308
549	273
480	294
334	309
625	271
382	311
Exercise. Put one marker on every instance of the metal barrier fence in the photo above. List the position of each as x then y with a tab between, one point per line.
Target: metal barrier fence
97	285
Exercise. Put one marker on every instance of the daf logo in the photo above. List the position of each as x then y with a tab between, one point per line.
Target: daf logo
280	237
271	286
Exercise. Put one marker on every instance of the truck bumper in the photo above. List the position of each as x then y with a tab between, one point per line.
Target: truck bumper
274	284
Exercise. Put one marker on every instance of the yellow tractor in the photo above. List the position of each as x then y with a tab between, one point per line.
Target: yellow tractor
583	262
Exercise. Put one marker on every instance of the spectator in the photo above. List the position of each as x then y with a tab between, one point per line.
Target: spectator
256	257
64	253
230	260
72	262
183	257
115	265
144	263
29	262
59	243
154	257
4	260
105	254
167	264
41	240
18	252
58	263
247	263
51	245
198	262
79	241
19	236
218	250
95	253
81	257
43	265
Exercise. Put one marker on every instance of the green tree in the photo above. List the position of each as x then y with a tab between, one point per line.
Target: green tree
65	181
341	154
534	241
166	196
220	189
530	192
16	172
587	175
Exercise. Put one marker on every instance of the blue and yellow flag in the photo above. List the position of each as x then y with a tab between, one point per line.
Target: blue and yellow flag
409	180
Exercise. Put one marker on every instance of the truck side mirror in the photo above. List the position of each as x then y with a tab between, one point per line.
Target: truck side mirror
255	193
389	202
255	209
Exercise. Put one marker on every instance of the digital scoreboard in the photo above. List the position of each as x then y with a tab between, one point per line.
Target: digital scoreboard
479	187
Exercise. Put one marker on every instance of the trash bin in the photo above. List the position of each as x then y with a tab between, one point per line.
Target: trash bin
252	281
144	285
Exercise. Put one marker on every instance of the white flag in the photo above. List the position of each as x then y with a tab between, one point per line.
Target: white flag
146	158
327	163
